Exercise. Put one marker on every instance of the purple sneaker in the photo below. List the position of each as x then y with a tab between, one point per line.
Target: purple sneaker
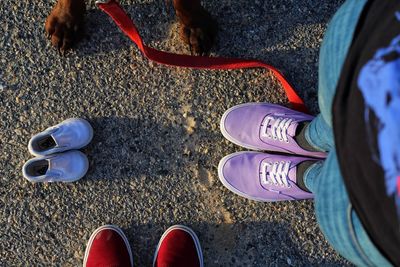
262	177
263	126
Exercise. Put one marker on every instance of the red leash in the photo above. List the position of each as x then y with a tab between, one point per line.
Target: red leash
114	10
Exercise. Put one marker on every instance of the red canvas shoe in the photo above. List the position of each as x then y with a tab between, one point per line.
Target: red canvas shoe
108	247
178	247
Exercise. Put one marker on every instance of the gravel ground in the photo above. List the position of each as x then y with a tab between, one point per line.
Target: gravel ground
157	143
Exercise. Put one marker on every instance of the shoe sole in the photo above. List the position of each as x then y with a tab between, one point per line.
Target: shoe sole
109	227
187	230
229	186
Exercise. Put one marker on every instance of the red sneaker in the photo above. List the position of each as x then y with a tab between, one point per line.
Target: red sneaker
108	247
178	247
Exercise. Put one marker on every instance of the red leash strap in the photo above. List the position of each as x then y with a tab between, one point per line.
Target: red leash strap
114	10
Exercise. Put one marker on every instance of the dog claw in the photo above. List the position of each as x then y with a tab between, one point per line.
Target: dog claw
63	52
190	49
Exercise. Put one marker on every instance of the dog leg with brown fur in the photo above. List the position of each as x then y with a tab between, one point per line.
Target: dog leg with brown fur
64	24
199	29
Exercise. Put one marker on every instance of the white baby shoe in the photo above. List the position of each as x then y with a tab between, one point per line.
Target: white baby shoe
63	167
70	134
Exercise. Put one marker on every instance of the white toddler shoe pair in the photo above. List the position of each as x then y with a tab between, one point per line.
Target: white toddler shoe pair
57	159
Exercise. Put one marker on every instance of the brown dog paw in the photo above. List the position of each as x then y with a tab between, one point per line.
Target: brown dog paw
199	29
64	24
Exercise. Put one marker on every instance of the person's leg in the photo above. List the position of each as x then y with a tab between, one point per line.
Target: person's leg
336	217
333	52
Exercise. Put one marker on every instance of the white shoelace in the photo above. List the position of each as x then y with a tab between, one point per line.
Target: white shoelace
278	130
275	173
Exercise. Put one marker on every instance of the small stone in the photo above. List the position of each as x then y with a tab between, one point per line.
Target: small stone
190	125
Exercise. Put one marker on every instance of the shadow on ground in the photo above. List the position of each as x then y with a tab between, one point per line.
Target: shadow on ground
229	244
124	147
